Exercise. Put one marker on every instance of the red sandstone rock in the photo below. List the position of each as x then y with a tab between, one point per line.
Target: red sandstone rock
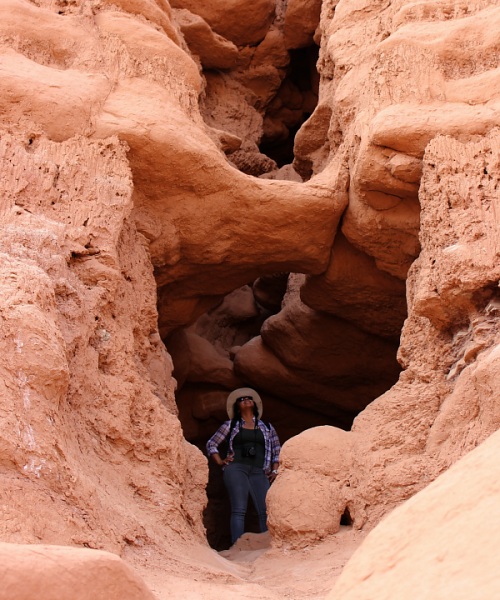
205	363
319	498
312	143
355	290
271	51
301	21
326	352
436	543
215	52
156	11
236	20
61	572
441	396
82	358
109	166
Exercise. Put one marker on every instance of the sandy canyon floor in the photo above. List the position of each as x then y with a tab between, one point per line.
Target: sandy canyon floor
251	569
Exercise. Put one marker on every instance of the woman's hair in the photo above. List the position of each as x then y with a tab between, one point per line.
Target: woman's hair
237	411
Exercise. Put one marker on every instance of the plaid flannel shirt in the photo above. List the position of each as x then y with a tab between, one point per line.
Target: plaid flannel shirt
271	442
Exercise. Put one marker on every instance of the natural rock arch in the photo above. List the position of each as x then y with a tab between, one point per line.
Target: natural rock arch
106	157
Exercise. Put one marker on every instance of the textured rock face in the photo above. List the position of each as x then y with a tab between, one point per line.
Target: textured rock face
138	205
109	176
78	312
327	354
444	400
444	536
382	123
58	572
412	186
238	21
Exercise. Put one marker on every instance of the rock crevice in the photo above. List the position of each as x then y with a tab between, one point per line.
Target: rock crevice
162	244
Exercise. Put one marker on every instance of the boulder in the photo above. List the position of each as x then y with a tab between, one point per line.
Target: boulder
67	573
436	543
214	51
311	494
301	21
236	20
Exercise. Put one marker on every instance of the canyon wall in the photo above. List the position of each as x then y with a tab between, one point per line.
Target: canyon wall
92	450
123	220
160	245
420	106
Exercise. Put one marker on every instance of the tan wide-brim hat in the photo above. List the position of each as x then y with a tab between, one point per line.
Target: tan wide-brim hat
235	394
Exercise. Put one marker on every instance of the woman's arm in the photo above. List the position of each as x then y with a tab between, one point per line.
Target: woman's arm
216	457
275	447
213	444
275	453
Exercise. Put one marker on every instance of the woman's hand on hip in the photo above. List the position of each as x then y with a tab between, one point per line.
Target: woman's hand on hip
272	476
225	461
221	462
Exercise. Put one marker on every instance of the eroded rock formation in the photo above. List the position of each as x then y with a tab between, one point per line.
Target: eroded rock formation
61	572
149	214
441	522
451	314
78	304
86	218
444	400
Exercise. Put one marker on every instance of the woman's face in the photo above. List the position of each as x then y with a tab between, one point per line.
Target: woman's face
245	401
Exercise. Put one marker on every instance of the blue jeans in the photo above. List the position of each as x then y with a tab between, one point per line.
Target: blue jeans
241	480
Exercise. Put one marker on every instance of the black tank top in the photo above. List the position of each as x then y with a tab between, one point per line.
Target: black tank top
249	447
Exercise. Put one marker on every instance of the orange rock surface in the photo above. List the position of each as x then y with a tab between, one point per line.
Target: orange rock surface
298	196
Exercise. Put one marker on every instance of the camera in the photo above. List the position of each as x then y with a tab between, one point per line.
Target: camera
248	451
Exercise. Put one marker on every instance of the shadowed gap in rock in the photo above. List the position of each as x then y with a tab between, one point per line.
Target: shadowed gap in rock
293	105
346	519
312	367
207	368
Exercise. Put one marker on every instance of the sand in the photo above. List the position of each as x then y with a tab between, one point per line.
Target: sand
251	569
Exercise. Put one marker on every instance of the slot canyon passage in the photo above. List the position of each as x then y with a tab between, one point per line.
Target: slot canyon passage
293	195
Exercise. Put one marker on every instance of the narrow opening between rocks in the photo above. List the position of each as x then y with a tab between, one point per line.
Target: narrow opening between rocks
312	365
346	519
293	105
306	378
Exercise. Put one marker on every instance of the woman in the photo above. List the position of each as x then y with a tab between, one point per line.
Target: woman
252	460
